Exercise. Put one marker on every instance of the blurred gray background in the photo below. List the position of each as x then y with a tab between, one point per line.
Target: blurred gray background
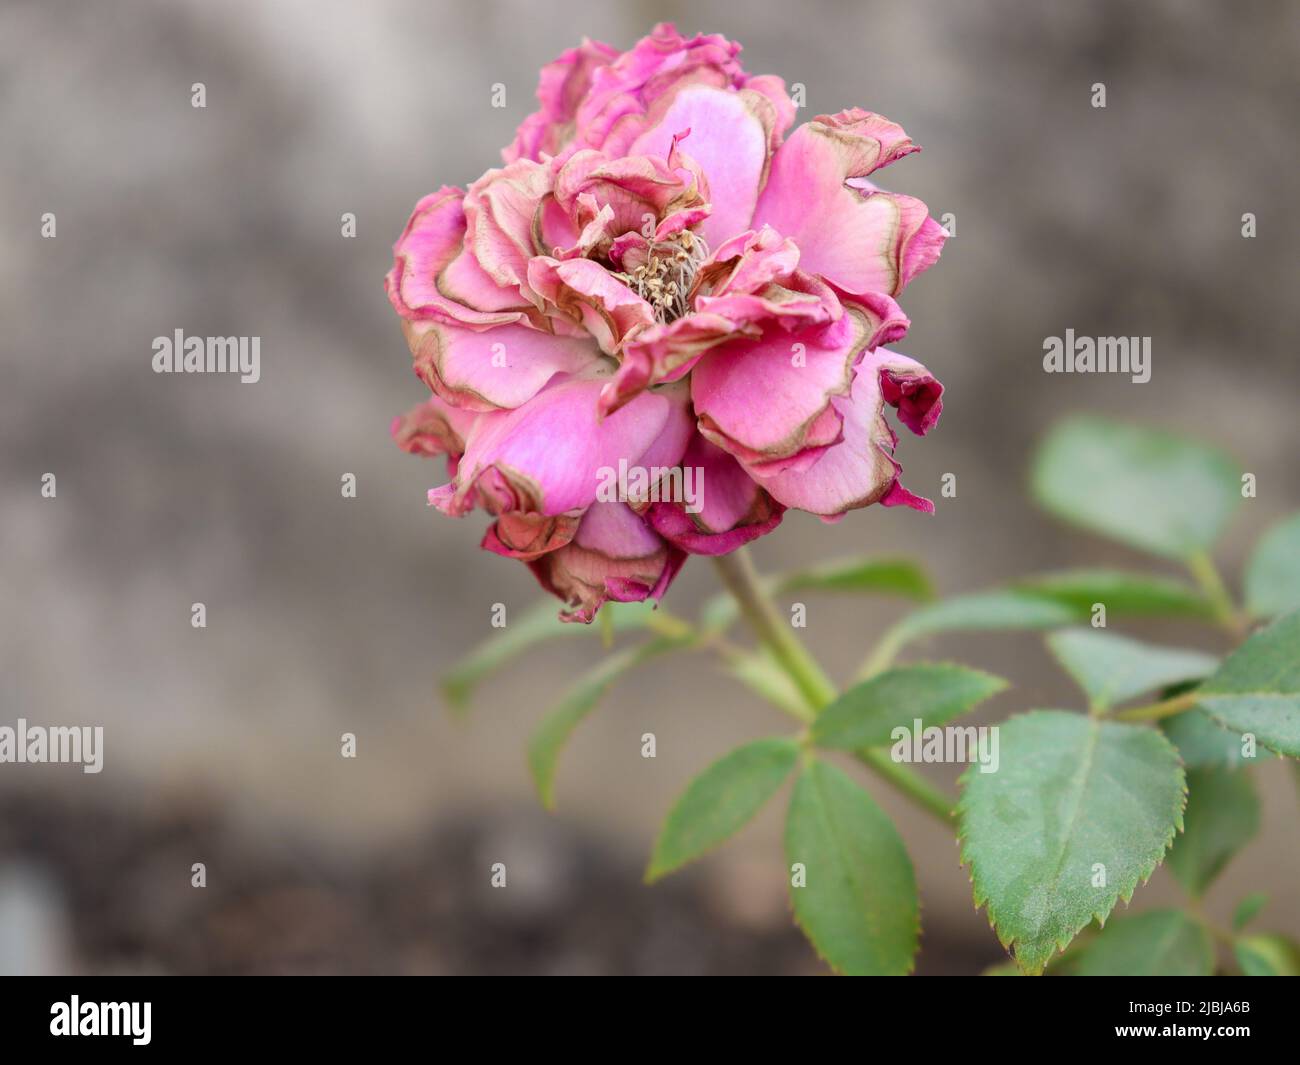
328	615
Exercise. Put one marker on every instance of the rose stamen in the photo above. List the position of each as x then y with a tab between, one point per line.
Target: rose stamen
665	279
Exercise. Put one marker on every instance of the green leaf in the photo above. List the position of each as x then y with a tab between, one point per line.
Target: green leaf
894	576
553	733
859	904
720	801
1150	489
1054	600
1272	580
759	672
1123	594
1156	943
1248	909
867	714
1268	955
1222	816
999	608
1257	689
1073	797
1111	668
538	623
1205	744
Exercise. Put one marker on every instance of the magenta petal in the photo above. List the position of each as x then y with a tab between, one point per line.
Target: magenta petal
588	294
614	555
730	509
861	469
493	368
627	95
729	139
526	536
660	353
500	210
433	428
562	87
432	242
734	385
545	456
773	88
858	237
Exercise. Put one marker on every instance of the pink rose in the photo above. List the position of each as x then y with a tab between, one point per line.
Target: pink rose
659	279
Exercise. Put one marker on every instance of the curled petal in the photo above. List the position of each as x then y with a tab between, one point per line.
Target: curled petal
768	402
432	278
864	140
861	469
773	88
526	536
860	238
613	556
730	508
562	87
747	262
730	139
493	368
586	293
433	428
754	279
546	456
627	95
503	213
664	353
633	188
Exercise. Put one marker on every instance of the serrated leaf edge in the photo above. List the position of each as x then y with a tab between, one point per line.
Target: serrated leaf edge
981	898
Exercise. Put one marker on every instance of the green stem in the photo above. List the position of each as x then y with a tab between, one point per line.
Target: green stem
915	787
1211	583
742	581
1155	711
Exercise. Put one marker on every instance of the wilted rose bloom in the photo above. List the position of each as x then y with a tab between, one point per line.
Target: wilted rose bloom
660	277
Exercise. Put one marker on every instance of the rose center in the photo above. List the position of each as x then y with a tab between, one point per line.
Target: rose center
664	280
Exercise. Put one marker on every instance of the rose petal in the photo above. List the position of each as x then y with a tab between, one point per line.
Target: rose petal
432	279
858	237
730	137
494	368
730	509
588	294
614	555
503	209
861	469
562	87
433	428
526	536
546	456
769	401
627	96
